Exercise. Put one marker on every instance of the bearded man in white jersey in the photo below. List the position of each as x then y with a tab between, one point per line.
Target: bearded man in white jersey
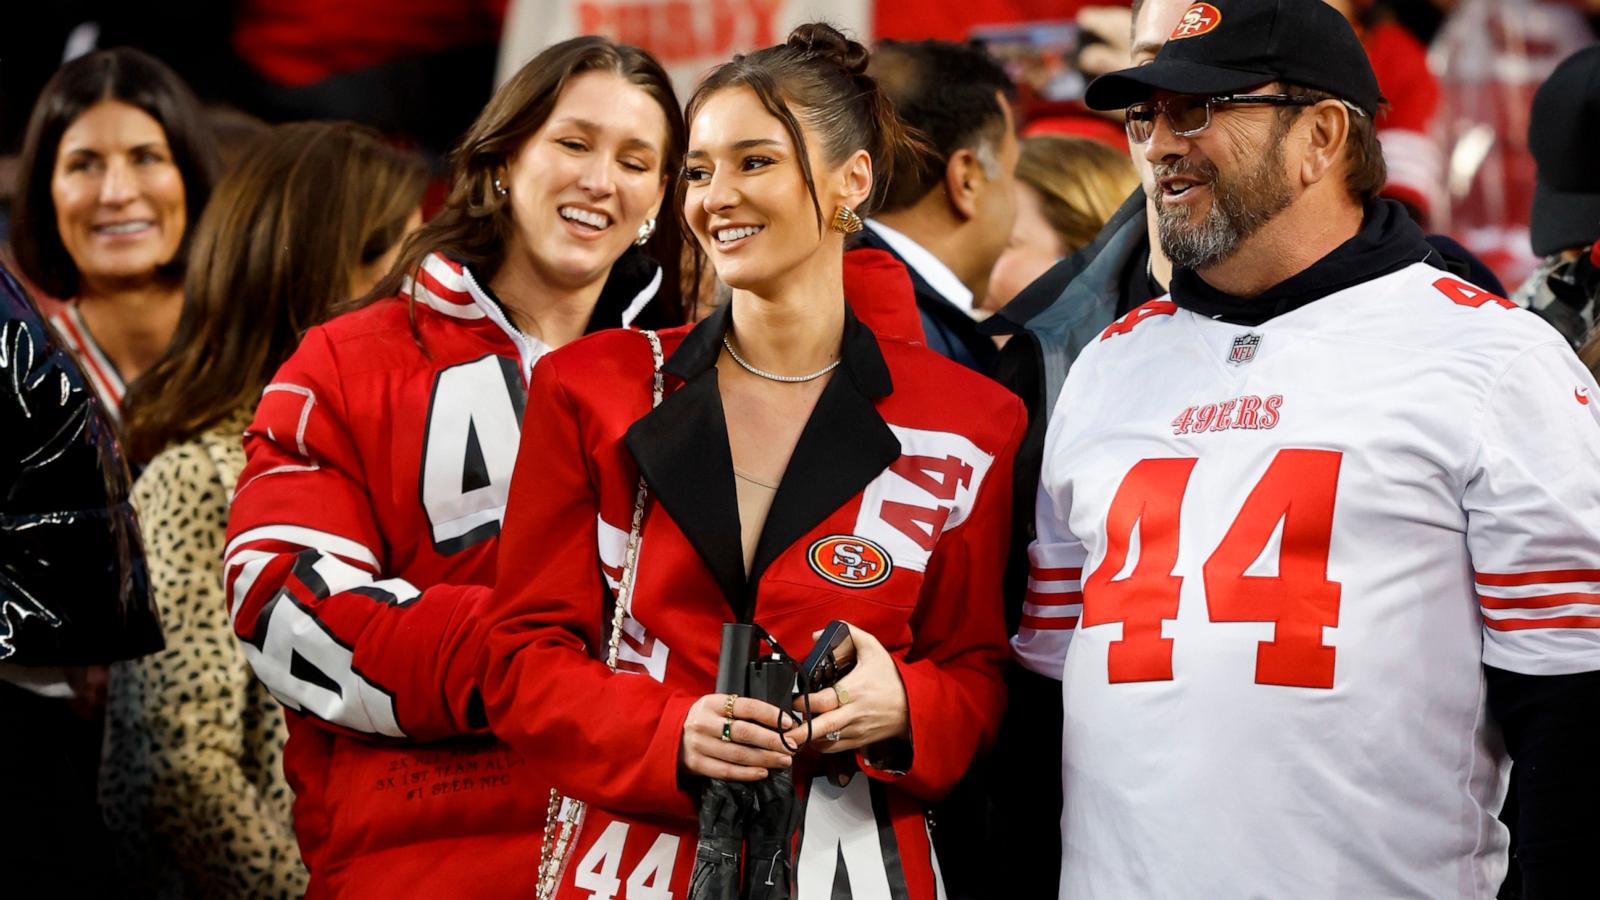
1319	533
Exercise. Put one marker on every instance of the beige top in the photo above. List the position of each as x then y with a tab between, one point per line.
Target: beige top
755	501
192	782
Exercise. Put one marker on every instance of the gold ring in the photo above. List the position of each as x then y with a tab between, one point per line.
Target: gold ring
844	695
727	707
727	731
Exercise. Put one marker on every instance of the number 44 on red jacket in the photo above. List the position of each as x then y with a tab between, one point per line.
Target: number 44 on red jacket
361	546
891	515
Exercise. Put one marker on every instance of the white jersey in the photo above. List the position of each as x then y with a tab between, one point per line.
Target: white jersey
1271	564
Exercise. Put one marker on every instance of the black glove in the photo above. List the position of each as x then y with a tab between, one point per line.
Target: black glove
725	808
769	872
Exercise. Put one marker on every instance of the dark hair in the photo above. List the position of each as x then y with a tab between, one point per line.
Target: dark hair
823	75
1365	171
308	206
946	91
474	225
128	76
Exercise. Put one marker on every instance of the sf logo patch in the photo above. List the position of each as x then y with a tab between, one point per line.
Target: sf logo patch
849	561
1197	20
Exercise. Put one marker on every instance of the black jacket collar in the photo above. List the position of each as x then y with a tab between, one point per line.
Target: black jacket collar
682	450
1387	242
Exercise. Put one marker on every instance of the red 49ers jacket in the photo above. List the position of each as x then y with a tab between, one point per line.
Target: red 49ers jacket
361	546
892	515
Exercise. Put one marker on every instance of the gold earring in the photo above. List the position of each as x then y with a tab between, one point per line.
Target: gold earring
845	221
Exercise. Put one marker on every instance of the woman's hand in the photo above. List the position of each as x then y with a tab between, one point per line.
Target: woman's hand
874	708
753	744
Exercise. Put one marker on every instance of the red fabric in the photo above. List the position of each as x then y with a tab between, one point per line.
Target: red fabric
953	20
335	573
1401	63
1406	126
613	739
1085	125
300	42
879	290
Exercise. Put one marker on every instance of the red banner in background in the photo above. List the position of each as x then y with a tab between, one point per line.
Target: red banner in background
688	36
678	31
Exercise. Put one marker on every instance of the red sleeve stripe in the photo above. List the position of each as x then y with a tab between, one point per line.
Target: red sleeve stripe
1052	623
1041	574
1542	602
1064	598
1558	622
1548	576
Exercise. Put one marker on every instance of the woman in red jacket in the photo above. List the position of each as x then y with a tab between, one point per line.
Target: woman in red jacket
362	537
800	469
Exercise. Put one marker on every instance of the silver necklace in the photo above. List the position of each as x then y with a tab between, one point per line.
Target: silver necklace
770	376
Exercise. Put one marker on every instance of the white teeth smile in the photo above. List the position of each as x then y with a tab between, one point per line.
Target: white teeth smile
584	216
123	228
729	235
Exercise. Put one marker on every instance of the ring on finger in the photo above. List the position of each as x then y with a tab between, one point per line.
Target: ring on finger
844	695
834	736
727	705
727	730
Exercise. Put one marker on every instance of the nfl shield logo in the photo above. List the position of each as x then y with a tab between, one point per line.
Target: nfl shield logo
1244	348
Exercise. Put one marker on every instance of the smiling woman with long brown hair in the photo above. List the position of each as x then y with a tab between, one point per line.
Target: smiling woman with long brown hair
363	537
191	783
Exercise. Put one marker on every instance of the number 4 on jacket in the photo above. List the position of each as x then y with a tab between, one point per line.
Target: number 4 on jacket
1297	490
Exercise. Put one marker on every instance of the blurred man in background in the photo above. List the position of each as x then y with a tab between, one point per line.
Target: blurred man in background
949	222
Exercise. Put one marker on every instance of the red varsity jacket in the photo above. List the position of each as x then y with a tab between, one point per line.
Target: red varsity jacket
892	515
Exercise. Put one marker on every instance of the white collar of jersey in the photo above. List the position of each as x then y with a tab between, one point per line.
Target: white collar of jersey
930	267
529	348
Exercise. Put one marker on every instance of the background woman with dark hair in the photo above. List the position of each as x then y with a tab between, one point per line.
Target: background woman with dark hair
192	782
116	165
363	536
800	469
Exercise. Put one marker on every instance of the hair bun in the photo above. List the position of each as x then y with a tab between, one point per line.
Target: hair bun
824	41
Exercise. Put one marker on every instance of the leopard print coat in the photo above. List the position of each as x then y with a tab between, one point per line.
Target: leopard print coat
192	781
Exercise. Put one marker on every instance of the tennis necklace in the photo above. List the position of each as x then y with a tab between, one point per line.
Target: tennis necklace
770	376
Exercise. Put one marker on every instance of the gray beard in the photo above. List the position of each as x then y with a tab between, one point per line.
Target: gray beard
1239	208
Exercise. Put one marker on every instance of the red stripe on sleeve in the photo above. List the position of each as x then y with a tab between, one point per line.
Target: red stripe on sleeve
1049	623
1055	574
1558	622
1549	576
1063	599
1543	602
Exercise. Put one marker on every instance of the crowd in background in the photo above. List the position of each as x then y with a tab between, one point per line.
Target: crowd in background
186	212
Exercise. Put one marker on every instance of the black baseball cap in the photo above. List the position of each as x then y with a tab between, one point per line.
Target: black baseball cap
1563	132
1228	46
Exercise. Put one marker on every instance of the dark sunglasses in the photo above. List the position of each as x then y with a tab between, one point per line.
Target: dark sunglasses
1188	115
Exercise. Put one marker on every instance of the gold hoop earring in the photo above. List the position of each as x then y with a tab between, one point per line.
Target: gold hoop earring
845	221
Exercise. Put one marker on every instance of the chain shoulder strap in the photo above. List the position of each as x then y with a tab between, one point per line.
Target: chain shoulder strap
564	815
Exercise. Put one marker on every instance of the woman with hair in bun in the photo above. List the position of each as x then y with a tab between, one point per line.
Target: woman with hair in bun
799	469
362	538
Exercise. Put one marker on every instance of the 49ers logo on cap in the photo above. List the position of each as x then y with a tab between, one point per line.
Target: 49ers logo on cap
847	560
1197	20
